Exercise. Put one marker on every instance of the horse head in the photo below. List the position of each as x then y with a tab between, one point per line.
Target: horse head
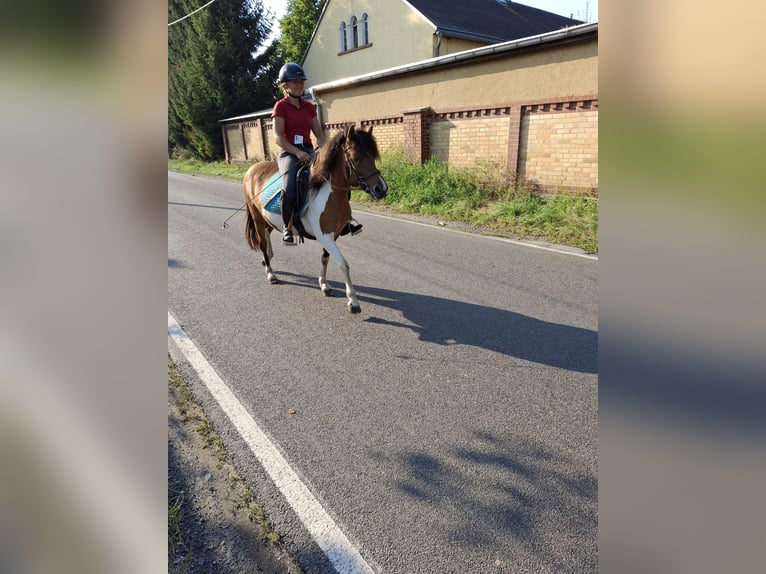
361	152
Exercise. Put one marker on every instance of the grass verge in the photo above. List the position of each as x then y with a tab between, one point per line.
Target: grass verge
476	196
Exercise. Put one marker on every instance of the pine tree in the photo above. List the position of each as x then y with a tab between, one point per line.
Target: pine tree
213	71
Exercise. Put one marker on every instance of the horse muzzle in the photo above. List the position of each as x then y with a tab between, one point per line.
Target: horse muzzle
379	190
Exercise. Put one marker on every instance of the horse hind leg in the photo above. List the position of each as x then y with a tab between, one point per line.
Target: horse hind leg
326	289
259	237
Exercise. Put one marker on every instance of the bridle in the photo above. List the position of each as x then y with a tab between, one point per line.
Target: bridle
350	166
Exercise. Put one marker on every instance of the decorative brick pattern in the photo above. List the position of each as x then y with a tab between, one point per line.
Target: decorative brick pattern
552	145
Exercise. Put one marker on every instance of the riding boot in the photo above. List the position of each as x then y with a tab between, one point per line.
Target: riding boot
288	207
353	227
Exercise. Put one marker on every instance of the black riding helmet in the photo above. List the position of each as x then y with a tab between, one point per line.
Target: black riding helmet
291	71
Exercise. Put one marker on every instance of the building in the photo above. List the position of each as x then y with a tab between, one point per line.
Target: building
454	81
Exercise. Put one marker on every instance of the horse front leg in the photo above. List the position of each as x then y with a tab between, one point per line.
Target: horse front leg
326	289
332	249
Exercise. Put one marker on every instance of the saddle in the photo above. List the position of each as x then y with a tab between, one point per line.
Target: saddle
271	198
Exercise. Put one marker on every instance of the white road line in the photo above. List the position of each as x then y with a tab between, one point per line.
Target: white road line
344	557
493	237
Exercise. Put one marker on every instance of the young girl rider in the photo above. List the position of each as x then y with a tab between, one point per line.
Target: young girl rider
295	120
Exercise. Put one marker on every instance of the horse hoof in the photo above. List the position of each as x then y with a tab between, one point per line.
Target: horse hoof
327	292
354	309
273	280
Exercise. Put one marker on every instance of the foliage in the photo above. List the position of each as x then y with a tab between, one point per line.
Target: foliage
213	72
297	26
479	196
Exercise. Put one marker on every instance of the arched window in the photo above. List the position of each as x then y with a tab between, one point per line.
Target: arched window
343	40
365	29
354	32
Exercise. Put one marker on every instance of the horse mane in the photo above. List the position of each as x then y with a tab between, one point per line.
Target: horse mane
326	158
331	151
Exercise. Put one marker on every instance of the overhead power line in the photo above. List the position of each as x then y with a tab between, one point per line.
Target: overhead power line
191	13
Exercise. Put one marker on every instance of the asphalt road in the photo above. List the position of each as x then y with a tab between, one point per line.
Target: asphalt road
449	427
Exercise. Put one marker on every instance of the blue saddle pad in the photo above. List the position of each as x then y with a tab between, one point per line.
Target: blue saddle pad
271	199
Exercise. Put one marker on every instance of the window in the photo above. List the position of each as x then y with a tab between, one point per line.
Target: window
365	29
354	32
343	40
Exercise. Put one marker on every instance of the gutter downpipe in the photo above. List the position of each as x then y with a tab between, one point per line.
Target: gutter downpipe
438	43
317	106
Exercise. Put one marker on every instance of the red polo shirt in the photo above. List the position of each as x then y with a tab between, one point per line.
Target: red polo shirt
297	120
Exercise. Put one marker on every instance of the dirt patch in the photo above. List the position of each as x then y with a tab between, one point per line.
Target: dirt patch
215	525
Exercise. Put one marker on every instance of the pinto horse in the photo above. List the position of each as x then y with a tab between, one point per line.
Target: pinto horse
345	162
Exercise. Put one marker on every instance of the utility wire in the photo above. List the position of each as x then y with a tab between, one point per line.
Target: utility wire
191	13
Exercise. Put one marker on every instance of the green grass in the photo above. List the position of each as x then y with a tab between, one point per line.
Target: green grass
175	506
215	168
477	195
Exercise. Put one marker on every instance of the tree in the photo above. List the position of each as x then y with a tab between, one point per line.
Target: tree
213	71
297	25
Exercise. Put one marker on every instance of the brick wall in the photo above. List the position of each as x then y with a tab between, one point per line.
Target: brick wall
455	134
388	132
558	146
552	145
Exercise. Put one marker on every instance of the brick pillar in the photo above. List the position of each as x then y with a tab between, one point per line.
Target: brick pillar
244	141
260	147
225	143
514	140
417	142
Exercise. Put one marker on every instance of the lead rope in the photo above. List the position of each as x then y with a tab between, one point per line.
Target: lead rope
226	225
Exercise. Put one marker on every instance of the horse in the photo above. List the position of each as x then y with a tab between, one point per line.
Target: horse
339	168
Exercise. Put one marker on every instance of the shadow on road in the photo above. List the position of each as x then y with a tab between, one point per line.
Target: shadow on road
445	322
509	487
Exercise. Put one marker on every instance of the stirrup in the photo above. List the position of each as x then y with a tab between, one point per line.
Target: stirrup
354	227
287	237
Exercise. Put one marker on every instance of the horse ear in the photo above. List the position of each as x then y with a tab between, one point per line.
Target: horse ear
351	133
369	130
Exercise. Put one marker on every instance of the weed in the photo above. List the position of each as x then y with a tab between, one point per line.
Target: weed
175	506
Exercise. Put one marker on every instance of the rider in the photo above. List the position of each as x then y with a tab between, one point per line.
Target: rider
295	120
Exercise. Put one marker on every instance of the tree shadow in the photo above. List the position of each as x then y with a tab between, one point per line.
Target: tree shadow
447	322
509	489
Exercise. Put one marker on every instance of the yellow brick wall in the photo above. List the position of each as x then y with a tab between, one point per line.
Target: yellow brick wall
560	150
252	139
272	149
464	141
557	146
388	134
236	147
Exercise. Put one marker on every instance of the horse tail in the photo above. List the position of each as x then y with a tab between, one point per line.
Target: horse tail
251	233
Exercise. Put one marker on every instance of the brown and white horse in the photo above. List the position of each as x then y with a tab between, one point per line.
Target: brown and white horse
345	162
